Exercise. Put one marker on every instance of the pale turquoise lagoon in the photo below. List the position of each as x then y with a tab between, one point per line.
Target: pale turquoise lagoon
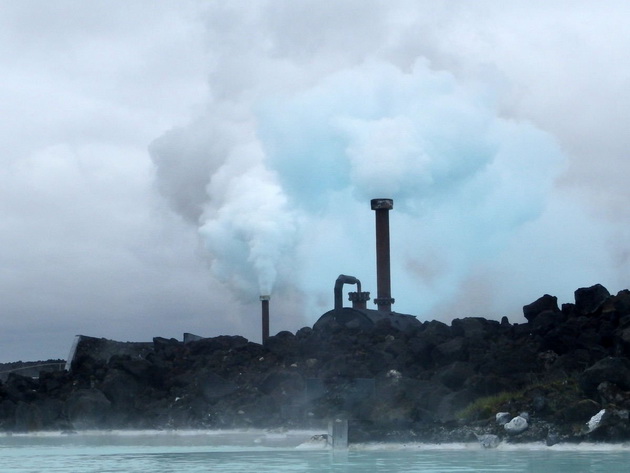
261	452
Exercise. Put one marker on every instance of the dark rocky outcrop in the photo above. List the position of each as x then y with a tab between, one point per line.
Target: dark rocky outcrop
589	299
427	382
545	304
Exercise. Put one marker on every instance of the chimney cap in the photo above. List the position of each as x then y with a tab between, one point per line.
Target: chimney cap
382	204
265	298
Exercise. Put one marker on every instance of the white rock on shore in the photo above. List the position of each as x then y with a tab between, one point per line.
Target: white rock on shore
516	425
596	420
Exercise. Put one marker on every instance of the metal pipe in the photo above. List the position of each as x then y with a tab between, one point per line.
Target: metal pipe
341	280
264	302
384	298
359	299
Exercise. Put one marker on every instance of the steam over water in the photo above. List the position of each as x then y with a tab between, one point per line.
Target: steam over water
277	452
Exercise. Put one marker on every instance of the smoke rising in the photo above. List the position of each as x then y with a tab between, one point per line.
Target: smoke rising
246	225
462	177
500	133
300	134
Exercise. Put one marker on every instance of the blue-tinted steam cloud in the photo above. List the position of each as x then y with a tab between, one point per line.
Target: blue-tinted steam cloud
463	178
294	191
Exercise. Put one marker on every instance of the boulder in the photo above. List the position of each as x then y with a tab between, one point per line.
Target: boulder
614	370
420	346
139	368
449	351
304	333
454	376
502	418
168	348
43	414
545	303
53	383
621	303
546	321
436	330
90	351
20	388
52	415
596	421
120	388
611	394
283	383
589	299
516	426
212	386
608	425
488	440
472	327
28	418
578	411
88	409
284	344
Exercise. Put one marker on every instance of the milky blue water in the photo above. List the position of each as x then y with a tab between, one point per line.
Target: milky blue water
263	452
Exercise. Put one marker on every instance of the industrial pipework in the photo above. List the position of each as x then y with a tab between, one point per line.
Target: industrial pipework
358	298
384	298
264	302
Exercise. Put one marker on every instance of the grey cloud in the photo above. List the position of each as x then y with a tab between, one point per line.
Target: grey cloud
90	92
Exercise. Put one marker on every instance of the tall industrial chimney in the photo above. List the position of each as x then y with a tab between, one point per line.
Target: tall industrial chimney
384	298
264	302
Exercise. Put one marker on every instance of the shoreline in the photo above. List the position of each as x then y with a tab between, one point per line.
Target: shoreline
286	439
564	376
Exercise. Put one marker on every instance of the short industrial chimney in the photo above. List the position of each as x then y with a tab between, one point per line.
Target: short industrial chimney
384	298
264	302
359	299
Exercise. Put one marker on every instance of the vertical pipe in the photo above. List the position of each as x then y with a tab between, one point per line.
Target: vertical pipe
384	299
359	299
264	302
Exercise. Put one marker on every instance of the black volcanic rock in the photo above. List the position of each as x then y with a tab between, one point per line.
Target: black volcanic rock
167	349
209	346
121	388
450	351
28	417
88	409
589	299
578	412
19	388
614	370
431	382
213	387
455	375
545	304
474	327
284	344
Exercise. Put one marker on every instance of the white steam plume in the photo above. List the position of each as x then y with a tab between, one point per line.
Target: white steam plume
246	225
463	178
307	123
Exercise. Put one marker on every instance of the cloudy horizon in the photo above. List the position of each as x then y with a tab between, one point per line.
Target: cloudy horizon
164	163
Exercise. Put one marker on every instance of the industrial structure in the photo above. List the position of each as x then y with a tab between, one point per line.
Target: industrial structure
358	316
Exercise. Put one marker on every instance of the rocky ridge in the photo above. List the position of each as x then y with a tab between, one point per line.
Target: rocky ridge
564	375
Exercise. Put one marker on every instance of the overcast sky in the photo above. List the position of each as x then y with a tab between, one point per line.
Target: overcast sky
163	163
